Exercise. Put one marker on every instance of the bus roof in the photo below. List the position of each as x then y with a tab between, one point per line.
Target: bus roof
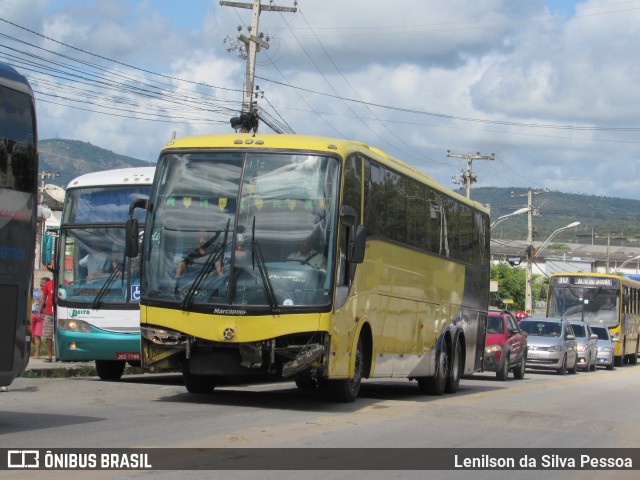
10	78
310	143
120	176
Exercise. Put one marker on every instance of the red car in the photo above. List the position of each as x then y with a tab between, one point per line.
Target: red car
505	346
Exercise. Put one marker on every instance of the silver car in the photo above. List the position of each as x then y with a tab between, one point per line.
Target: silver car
587	346
605	347
552	344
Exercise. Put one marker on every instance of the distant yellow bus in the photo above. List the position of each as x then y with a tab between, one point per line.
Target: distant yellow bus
321	260
612	301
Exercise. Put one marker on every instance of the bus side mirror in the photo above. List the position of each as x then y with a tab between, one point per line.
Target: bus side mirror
46	251
131	245
47	247
357	243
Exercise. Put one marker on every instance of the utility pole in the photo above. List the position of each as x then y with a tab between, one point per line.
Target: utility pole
252	43
529	250
467	175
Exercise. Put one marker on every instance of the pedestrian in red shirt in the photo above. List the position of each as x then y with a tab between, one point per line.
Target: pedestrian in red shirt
46	304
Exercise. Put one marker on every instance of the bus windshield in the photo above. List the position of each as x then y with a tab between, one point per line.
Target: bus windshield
94	270
592	304
242	229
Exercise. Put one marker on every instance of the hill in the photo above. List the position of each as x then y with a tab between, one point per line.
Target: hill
73	158
598	216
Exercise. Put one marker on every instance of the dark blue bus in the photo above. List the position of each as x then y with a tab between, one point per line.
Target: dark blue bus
18	210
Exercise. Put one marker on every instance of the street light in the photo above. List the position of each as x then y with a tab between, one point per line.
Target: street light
637	257
533	255
504	217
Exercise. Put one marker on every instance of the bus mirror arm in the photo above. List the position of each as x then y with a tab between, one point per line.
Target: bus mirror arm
348	215
137	203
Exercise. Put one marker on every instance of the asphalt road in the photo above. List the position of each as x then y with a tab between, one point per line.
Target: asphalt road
587	410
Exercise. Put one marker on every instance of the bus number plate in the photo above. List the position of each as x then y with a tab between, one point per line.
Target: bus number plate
128	356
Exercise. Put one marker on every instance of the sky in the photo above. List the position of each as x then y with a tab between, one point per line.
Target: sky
552	88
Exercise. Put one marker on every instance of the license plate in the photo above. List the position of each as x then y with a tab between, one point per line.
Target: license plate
532	356
127	356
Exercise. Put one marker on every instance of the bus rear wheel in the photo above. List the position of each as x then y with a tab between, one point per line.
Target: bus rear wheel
455	371
436	385
110	370
346	391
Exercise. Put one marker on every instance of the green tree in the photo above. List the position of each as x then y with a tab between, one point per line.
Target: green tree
512	285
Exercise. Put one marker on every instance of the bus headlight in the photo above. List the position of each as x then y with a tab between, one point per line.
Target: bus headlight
74	325
162	336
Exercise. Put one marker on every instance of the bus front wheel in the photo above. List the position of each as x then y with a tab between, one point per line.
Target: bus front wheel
110	370
346	391
197	383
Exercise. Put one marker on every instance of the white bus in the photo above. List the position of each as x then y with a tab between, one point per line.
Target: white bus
97	288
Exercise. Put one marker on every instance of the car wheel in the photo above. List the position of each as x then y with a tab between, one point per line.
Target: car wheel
518	372
611	367
573	370
587	367
503	369
563	367
594	364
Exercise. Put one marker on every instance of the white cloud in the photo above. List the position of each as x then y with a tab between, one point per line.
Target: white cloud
494	61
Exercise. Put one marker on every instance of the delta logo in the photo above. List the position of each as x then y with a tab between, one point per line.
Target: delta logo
76	313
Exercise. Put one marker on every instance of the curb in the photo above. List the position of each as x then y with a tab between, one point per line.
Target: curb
62	371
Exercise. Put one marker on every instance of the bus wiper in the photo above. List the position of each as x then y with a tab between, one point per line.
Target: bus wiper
97	302
206	269
256	254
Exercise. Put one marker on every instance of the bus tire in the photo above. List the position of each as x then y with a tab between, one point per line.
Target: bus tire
110	370
305	382
198	384
346	391
455	372
633	359
435	385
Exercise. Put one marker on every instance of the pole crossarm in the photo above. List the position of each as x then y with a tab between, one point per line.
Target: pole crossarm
267	8
468	176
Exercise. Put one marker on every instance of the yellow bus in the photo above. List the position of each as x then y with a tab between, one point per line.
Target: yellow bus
321	260
599	299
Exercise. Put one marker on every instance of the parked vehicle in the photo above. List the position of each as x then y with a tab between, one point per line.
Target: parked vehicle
552	344
605	347
587	346
505	345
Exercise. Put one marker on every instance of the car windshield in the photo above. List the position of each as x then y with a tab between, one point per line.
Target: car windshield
541	328
494	324
602	332
579	330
